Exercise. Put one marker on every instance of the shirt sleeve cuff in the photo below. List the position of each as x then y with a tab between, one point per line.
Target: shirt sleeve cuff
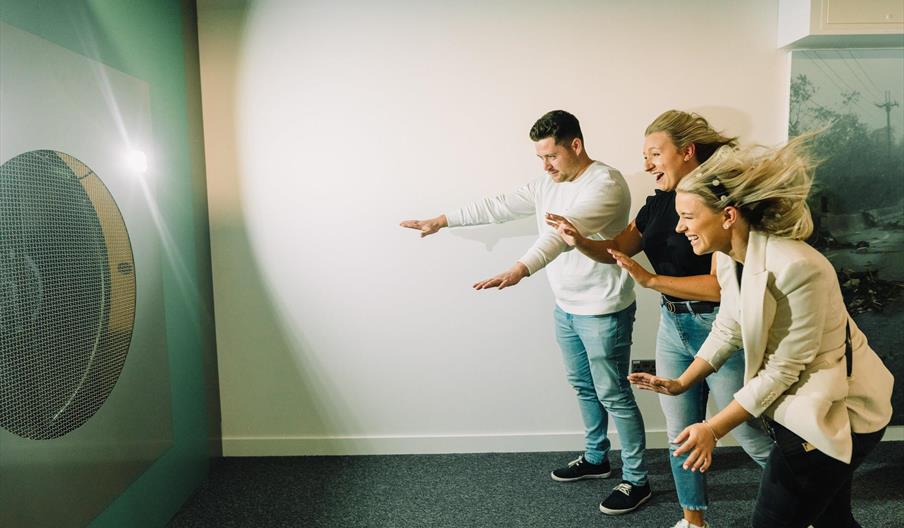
531	262
747	400
711	352
454	219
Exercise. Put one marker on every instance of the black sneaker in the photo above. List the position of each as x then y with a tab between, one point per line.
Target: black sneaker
626	497
579	469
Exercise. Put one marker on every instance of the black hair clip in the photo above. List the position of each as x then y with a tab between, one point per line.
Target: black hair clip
719	190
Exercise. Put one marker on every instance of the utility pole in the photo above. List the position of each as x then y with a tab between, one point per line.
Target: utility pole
887	106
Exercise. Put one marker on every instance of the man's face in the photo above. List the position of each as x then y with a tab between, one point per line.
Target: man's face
561	162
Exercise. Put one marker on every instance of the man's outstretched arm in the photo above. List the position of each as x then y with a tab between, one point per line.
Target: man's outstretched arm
496	209
509	277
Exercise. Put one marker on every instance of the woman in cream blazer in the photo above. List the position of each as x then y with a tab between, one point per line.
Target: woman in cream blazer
810	375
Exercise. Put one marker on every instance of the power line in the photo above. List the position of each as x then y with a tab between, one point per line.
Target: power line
867	75
823	71
858	76
832	70
816	62
850	89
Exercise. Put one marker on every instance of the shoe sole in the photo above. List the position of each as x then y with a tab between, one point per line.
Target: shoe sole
596	476
607	511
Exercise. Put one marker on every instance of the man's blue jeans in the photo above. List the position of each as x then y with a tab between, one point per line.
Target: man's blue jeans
597	350
680	337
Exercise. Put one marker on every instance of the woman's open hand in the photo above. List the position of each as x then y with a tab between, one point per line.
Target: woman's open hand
650	382
564	227
698	441
638	273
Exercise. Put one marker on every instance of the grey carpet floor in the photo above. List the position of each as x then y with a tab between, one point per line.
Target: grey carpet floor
490	490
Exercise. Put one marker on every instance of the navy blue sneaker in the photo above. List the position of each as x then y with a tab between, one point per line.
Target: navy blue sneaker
626	497
579	469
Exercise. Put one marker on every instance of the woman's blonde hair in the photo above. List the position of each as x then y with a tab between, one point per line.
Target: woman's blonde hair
687	127
768	186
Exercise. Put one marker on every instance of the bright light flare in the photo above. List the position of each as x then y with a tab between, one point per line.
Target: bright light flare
137	161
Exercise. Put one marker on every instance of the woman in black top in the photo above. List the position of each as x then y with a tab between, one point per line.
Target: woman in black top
676	143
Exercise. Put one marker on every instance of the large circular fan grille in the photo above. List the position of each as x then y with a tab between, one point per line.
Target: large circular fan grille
67	294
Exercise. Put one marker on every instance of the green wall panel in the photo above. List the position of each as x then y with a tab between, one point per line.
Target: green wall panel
156	41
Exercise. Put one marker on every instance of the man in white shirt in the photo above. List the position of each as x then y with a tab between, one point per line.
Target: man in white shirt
595	307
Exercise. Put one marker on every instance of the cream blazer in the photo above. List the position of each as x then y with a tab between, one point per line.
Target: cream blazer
789	316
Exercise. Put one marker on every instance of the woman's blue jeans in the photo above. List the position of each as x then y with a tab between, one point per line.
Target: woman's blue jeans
596	350
680	337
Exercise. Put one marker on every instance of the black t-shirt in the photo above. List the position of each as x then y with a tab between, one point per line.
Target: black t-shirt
669	252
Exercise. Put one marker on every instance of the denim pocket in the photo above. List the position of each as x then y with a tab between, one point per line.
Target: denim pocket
789	443
624	328
706	318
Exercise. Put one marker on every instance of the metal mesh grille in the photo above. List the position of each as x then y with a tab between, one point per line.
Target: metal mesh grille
67	294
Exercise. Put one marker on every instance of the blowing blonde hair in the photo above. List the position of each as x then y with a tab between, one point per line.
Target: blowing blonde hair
687	127
768	186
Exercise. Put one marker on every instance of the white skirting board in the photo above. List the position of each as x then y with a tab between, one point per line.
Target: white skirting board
439	444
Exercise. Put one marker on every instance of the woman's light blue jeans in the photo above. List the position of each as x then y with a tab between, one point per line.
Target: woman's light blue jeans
680	337
597	350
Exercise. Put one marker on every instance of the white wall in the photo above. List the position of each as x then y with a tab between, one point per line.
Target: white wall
328	122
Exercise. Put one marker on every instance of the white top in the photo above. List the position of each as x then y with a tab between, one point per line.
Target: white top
788	314
598	203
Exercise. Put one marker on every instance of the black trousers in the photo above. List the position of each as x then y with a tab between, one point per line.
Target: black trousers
800	488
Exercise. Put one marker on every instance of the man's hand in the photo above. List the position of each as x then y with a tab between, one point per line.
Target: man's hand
427	227
564	227
507	278
654	383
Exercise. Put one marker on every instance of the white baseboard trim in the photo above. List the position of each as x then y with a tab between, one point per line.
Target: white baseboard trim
235	446
400	445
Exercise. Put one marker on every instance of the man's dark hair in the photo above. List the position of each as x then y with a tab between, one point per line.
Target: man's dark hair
559	125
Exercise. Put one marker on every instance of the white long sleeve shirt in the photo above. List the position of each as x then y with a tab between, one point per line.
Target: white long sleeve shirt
598	203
